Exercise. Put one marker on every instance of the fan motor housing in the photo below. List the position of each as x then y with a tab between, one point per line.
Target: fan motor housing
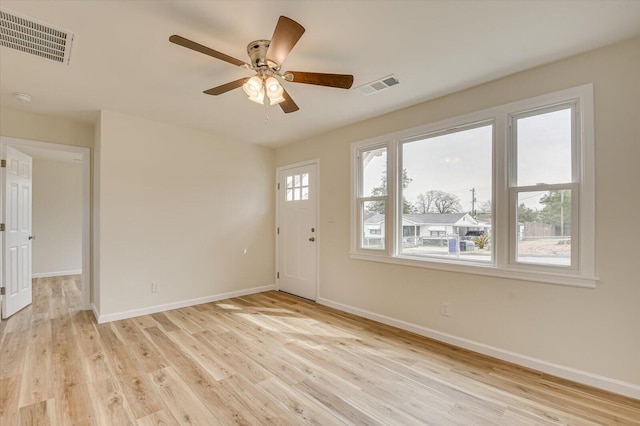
257	51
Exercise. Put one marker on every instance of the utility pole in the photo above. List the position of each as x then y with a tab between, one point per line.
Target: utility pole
473	202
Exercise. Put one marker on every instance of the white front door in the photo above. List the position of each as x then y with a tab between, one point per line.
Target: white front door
16	238
298	231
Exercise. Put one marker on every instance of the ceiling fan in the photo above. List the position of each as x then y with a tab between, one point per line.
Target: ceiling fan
267	57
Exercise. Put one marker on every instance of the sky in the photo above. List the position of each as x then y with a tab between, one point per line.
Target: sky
457	162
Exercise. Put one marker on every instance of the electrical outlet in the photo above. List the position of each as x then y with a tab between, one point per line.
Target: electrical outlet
155	286
445	309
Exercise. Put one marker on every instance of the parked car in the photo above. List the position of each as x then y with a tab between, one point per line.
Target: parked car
474	234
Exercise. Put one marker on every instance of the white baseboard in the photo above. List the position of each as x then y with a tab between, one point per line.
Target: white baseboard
176	305
612	385
56	274
95	311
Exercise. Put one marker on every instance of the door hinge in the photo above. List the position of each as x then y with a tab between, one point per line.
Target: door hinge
277	230
1	226
3	163
3	291
277	276
278	185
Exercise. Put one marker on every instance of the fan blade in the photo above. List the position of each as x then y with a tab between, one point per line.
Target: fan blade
341	81
206	50
285	36
226	87
288	105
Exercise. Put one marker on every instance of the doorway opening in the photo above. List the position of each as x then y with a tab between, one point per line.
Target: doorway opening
60	253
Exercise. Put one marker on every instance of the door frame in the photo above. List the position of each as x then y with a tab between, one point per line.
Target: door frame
86	202
316	163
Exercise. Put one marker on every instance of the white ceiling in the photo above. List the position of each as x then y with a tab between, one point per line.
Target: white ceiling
122	59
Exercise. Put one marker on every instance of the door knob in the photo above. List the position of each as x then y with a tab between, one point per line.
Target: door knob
312	239
32	237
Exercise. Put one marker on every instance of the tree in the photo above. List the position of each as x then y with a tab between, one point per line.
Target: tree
424	203
375	207
557	209
526	214
485	207
436	201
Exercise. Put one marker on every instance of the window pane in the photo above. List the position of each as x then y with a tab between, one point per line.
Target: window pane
374	172
372	232
305	179
289	194
544	227
447	193
305	193
544	148
289	181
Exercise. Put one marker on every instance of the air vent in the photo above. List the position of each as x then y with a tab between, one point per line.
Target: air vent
378	85
37	38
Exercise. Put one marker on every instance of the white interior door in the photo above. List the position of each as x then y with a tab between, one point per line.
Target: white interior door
16	238
298	231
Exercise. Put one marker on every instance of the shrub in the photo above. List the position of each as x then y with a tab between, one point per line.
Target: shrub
481	241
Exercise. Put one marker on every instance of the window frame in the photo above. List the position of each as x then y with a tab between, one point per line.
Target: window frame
581	273
357	192
573	185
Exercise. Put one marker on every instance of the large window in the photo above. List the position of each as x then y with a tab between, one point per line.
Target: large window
446	194
507	191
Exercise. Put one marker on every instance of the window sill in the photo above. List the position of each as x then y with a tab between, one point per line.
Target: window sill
483	269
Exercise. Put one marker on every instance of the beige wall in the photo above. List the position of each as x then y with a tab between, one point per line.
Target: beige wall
57	217
182	207
592	330
44	128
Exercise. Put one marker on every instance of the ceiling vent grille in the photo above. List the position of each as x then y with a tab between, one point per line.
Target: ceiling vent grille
37	38
379	85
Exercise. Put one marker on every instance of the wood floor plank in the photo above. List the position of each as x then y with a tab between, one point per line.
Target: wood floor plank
139	345
38	414
304	408
334	403
183	320
267	358
159	418
165	323
93	360
14	349
240	363
109	404
69	381
9	393
141	396
183	403
264	408
202	352
37	385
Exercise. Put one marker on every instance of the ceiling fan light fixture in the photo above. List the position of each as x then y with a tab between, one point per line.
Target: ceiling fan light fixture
274	100
253	86
258	97
254	89
272	85
274	91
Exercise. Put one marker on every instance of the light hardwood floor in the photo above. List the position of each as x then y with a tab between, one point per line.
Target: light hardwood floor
263	359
